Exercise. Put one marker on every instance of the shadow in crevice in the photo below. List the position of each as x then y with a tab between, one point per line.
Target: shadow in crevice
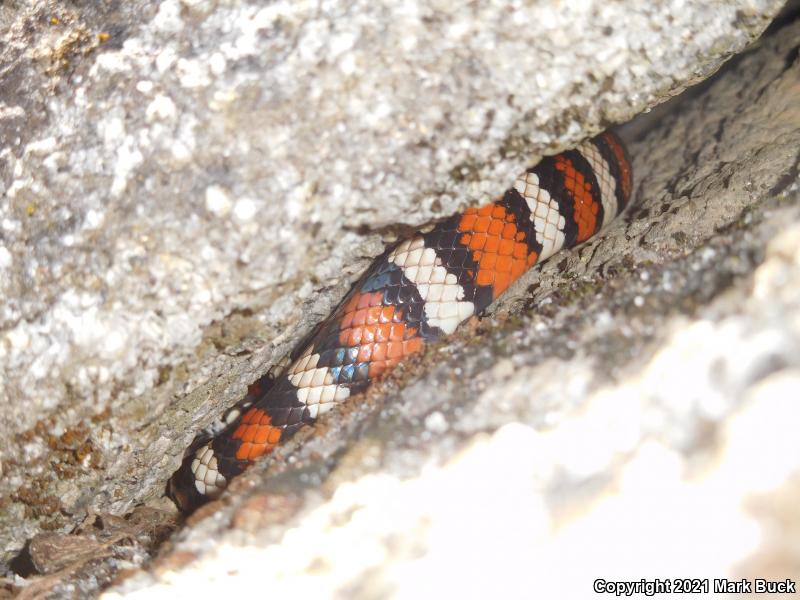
22	563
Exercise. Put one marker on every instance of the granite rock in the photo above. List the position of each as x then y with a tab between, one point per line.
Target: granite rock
188	186
627	411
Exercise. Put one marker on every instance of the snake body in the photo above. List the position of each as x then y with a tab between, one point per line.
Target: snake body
417	291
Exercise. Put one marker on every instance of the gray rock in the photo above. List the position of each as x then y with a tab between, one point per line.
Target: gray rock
631	405
188	186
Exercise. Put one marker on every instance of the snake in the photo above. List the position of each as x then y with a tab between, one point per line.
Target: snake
419	290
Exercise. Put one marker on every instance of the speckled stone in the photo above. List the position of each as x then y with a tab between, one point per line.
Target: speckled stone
187	186
630	406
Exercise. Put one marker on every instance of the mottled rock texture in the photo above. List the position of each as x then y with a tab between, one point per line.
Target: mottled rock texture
630	410
188	186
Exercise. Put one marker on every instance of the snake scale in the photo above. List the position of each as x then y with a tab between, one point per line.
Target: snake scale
419	290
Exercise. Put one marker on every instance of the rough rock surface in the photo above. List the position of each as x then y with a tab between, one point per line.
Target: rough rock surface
188	185
628	412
